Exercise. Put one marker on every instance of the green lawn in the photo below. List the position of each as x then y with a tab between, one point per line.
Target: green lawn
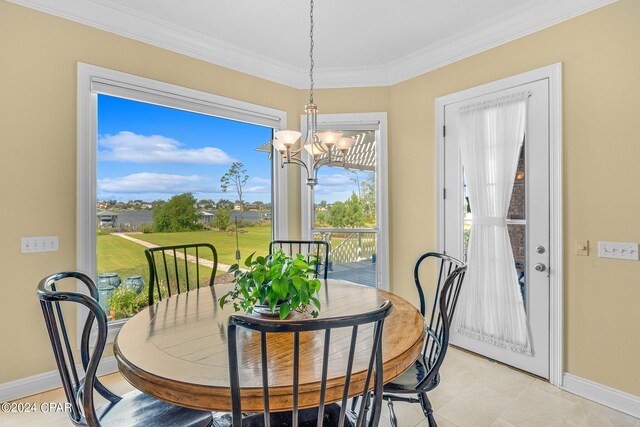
253	239
121	256
126	258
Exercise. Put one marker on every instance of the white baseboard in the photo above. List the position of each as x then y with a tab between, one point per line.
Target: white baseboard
39	383
616	399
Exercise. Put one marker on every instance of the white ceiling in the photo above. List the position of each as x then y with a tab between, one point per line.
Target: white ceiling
358	42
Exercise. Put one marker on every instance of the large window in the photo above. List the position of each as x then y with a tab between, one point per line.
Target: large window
145	145
168	177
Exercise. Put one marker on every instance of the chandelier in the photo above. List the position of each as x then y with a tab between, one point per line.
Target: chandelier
323	148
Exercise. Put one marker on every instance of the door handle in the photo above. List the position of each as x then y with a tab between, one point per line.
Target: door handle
540	267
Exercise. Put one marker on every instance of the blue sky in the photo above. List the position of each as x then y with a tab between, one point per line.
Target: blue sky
149	152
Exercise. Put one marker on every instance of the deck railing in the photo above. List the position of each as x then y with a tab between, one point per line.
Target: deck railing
357	246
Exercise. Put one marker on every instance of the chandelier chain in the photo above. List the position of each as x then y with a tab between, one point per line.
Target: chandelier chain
311	54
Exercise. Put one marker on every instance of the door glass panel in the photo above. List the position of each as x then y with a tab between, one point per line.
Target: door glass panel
516	222
344	211
517	206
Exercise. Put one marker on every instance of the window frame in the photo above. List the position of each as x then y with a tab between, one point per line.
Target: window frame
93	80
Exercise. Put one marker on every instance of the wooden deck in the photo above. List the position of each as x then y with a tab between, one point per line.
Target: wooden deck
363	272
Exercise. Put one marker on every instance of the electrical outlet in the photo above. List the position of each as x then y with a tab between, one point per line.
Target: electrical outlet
39	244
618	250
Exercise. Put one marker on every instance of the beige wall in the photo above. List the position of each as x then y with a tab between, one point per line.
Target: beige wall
600	53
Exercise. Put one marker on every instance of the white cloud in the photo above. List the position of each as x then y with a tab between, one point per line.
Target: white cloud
259	180
127	146
256	189
140	183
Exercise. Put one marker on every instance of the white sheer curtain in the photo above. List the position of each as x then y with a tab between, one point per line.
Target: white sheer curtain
491	306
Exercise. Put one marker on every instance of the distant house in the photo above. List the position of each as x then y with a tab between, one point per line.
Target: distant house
205	217
107	219
237	207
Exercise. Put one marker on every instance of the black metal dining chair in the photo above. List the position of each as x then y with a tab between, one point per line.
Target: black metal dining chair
171	265
318	248
423	375
327	414
132	409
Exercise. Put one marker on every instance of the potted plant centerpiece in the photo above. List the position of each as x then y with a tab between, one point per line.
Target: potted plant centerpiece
275	285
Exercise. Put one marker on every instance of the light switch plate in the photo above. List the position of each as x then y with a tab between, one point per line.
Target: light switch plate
39	244
618	250
582	247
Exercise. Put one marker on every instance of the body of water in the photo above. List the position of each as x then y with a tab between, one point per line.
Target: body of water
138	218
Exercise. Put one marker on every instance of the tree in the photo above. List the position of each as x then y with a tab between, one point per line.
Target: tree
222	219
224	204
369	197
237	177
206	204
177	214
347	214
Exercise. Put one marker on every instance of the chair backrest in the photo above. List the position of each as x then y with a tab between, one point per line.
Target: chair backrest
449	278
78	391
177	268
265	327
319	248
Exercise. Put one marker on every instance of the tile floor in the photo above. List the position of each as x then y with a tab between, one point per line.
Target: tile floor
473	392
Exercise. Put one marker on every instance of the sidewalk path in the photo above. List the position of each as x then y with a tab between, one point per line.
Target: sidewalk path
180	255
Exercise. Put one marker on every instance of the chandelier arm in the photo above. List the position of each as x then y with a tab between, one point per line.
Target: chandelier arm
296	161
321	162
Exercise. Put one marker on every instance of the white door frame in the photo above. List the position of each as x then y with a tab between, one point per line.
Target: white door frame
358	121
554	74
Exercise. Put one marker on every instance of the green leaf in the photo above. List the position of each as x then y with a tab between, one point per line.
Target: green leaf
295	302
285	309
298	282
300	264
247	262
222	300
315	302
280	287
273	300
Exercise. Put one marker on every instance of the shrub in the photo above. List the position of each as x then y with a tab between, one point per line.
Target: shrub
146	228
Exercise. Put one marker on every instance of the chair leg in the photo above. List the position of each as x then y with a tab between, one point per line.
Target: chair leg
392	414
426	408
354	403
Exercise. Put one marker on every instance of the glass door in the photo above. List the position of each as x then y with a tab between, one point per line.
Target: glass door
527	222
344	212
347	208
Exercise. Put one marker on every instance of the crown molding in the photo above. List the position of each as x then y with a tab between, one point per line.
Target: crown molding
117	19
504	28
138	26
336	77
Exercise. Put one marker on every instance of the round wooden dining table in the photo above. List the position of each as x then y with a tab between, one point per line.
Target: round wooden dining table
176	350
